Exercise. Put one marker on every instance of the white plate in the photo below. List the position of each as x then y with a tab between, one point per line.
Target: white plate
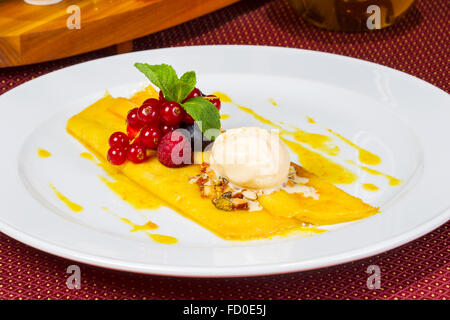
402	118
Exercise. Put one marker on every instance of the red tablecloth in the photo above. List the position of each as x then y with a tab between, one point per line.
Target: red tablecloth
419	270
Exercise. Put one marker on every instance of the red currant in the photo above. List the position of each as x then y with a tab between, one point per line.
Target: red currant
119	139
194	93
171	113
136	153
148	112
161	96
150	137
188	119
164	128
132	134
133	119
117	155
214	100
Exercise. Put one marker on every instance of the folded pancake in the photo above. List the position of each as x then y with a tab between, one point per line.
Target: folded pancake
282	212
333	206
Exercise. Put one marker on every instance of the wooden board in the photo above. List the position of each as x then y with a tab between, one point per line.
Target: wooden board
30	33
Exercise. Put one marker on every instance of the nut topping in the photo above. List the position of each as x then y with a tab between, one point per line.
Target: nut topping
223	204
239	204
250	195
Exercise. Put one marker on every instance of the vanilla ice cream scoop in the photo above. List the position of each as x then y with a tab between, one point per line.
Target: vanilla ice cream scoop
250	157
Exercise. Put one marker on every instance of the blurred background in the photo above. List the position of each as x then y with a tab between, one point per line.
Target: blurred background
40	30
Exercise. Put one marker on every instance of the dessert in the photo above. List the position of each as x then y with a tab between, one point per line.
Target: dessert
251	157
150	140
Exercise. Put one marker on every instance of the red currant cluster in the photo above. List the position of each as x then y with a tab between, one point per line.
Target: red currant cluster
148	124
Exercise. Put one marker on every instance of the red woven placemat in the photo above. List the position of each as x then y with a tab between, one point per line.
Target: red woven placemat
419	270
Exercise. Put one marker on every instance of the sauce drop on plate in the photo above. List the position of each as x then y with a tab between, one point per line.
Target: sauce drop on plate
138	227
43	153
273	102
71	205
392	180
370	187
160	238
365	156
87	155
314	140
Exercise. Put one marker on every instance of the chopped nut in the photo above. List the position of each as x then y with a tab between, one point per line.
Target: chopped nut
226	195
250	195
238	195
203	167
212	175
300	180
208	191
202	180
219	182
239	204
223	204
227	188
290	183
193	180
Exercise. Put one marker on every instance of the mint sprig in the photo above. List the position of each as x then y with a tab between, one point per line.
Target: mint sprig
165	78
205	114
177	89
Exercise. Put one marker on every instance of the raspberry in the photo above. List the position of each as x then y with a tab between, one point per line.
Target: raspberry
174	149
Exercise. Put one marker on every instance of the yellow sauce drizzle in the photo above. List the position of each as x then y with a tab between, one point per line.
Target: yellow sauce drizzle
273	102
71	205
314	140
160	238
137	227
224	116
370	187
222	97
392	180
258	117
43	153
87	156
365	156
130	192
320	165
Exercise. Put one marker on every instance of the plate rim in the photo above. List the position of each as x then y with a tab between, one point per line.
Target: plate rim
224	271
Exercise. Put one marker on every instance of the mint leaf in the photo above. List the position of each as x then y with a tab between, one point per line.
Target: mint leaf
165	78
185	85
201	110
205	114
